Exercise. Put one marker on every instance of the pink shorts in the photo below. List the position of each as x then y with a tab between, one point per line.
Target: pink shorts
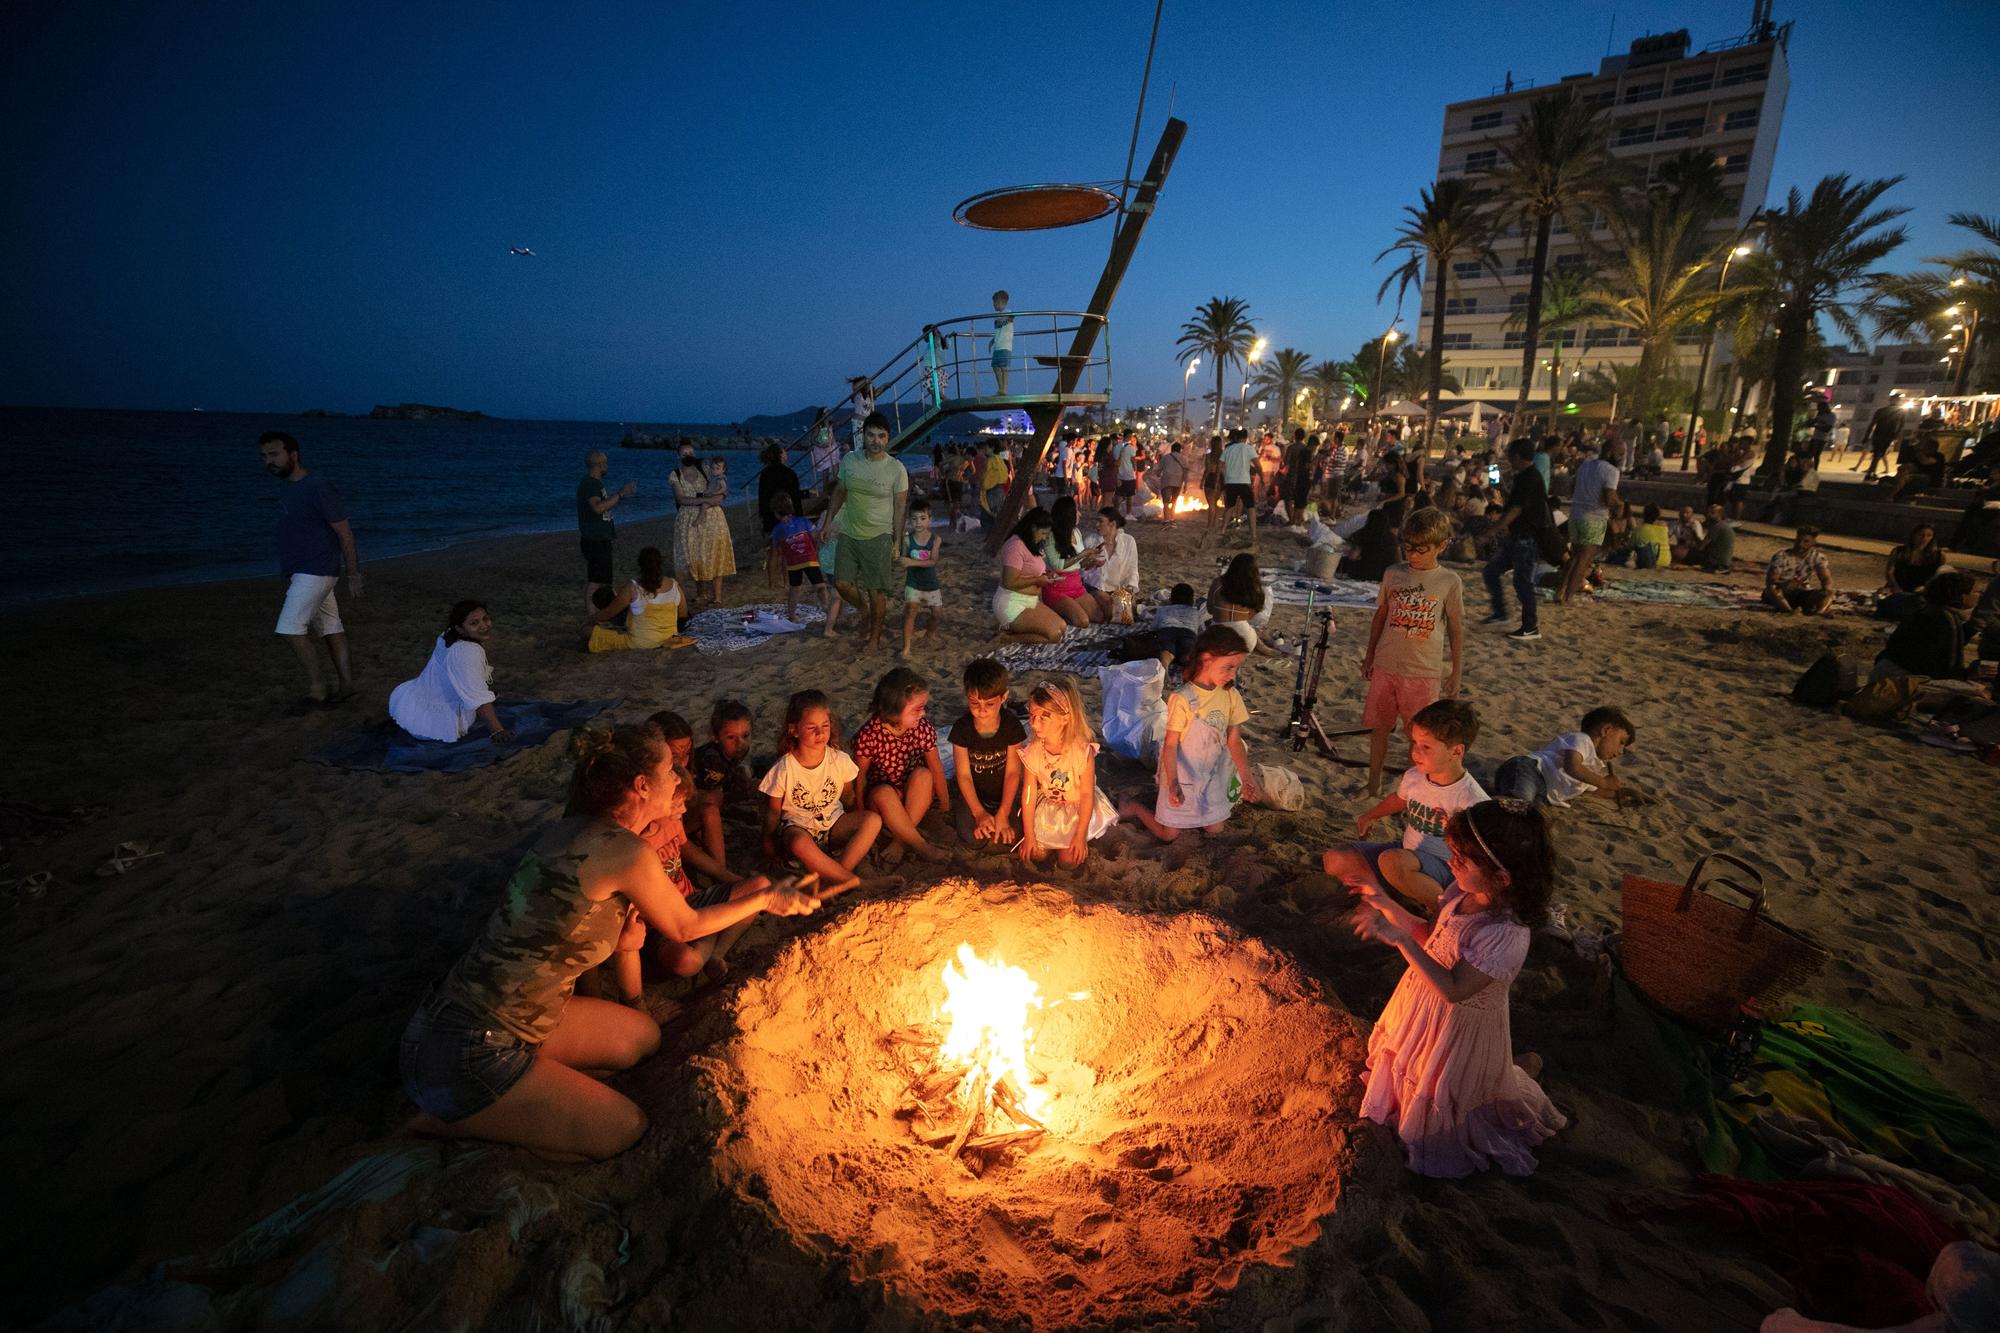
1397	698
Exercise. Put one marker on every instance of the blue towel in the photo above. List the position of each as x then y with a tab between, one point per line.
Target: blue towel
387	748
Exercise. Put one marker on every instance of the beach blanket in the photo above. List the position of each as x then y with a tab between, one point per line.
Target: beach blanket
1821	1066
1080	651
731	629
1295	589
387	748
1714	596
1853	1252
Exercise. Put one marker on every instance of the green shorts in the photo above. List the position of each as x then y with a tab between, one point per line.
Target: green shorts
864	563
1587	531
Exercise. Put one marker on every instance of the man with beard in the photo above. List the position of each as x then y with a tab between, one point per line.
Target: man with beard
315	544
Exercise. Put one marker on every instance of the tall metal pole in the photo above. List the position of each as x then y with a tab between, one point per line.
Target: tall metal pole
1046	421
1701	375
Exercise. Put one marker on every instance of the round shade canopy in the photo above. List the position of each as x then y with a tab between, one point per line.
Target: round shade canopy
1035	207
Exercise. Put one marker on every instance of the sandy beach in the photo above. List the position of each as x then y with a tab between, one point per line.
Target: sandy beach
201	1040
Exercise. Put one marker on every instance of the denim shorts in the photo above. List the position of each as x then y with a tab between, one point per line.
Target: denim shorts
1437	867
454	1065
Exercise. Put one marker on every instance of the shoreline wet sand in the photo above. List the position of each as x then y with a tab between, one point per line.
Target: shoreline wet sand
199	1041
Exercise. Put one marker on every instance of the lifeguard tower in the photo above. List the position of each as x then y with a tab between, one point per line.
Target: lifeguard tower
1061	360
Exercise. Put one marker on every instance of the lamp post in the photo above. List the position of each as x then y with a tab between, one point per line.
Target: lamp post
1971	321
1707	348
1256	354
1381	365
1185	377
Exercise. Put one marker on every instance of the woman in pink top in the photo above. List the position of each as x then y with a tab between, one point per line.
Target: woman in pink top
1017	602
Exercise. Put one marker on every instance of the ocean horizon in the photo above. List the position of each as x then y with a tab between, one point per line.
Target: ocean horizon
105	499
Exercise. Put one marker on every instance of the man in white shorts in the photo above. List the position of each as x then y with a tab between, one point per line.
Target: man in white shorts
315	544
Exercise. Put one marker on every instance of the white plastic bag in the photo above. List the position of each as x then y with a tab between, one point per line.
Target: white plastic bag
1279	787
1135	711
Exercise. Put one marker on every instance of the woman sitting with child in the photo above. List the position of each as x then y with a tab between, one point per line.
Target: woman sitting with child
456	686
1024	573
651	605
1066	558
498	1050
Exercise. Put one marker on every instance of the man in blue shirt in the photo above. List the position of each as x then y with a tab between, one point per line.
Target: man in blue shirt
315	544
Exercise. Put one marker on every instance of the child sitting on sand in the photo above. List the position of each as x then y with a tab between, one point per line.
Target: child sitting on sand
811	791
897	751
1419	611
986	745
918	561
722	779
1061	808
1440	1060
1573	765
794	550
1203	748
1435	788
679	736
1176	624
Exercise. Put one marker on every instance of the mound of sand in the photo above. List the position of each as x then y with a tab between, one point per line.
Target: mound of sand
1200	1101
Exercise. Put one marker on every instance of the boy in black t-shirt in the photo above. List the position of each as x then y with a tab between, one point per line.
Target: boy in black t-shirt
722	774
986	743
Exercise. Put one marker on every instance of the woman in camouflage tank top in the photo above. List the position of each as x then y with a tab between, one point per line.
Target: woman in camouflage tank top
502	1049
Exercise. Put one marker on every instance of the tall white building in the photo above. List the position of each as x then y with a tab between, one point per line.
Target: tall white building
1660	99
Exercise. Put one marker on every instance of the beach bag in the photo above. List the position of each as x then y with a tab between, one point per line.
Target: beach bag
1135	711
1280	787
1827	681
1703	958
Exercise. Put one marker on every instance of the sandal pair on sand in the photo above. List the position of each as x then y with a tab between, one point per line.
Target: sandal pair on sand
124	857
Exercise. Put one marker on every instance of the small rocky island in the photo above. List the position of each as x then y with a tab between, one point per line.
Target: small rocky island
424	412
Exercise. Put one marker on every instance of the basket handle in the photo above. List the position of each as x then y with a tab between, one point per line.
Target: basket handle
1755	893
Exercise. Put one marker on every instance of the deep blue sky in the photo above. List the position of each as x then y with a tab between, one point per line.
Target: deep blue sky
287	206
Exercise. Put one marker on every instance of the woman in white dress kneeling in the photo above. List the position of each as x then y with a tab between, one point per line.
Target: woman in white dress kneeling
455	689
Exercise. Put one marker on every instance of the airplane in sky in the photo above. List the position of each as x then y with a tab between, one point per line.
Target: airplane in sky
520	250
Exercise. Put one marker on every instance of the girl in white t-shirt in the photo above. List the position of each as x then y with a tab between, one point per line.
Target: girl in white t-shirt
1203	748
812	798
1061	807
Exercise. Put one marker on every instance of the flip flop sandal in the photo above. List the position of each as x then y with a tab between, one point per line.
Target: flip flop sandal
124	857
32	886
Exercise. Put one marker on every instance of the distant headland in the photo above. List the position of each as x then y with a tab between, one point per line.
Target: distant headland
425	412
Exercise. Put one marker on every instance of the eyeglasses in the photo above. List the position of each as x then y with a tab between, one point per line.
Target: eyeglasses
1418	548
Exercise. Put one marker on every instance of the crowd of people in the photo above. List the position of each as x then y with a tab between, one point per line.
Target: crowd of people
669	851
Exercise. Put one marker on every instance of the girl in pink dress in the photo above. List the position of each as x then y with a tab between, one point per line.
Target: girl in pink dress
1441	1060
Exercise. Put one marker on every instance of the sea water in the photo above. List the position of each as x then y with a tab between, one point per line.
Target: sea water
96	501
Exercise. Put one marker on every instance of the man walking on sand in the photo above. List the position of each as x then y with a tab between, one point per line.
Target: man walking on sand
314	545
870	498
1589	510
594	503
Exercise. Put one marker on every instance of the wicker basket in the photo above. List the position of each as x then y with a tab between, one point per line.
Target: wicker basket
1704	959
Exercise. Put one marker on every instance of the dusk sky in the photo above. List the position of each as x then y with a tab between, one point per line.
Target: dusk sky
279	207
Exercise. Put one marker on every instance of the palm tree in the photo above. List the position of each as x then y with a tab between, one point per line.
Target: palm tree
1566	304
1660	252
1280	375
1556	164
1968	285
1329	382
1451	222
1221	331
1820	246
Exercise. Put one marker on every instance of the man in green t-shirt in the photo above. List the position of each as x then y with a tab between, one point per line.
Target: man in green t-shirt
870	497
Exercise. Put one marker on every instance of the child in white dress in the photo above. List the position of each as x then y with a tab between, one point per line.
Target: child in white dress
1061	808
1203	749
1441	1058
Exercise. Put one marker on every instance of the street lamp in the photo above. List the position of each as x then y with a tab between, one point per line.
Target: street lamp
1968	316
1381	364
1707	349
1185	377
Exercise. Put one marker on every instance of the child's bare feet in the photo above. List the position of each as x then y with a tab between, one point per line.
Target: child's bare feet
929	852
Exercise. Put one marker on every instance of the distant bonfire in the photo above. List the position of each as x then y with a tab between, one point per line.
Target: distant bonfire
424	412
